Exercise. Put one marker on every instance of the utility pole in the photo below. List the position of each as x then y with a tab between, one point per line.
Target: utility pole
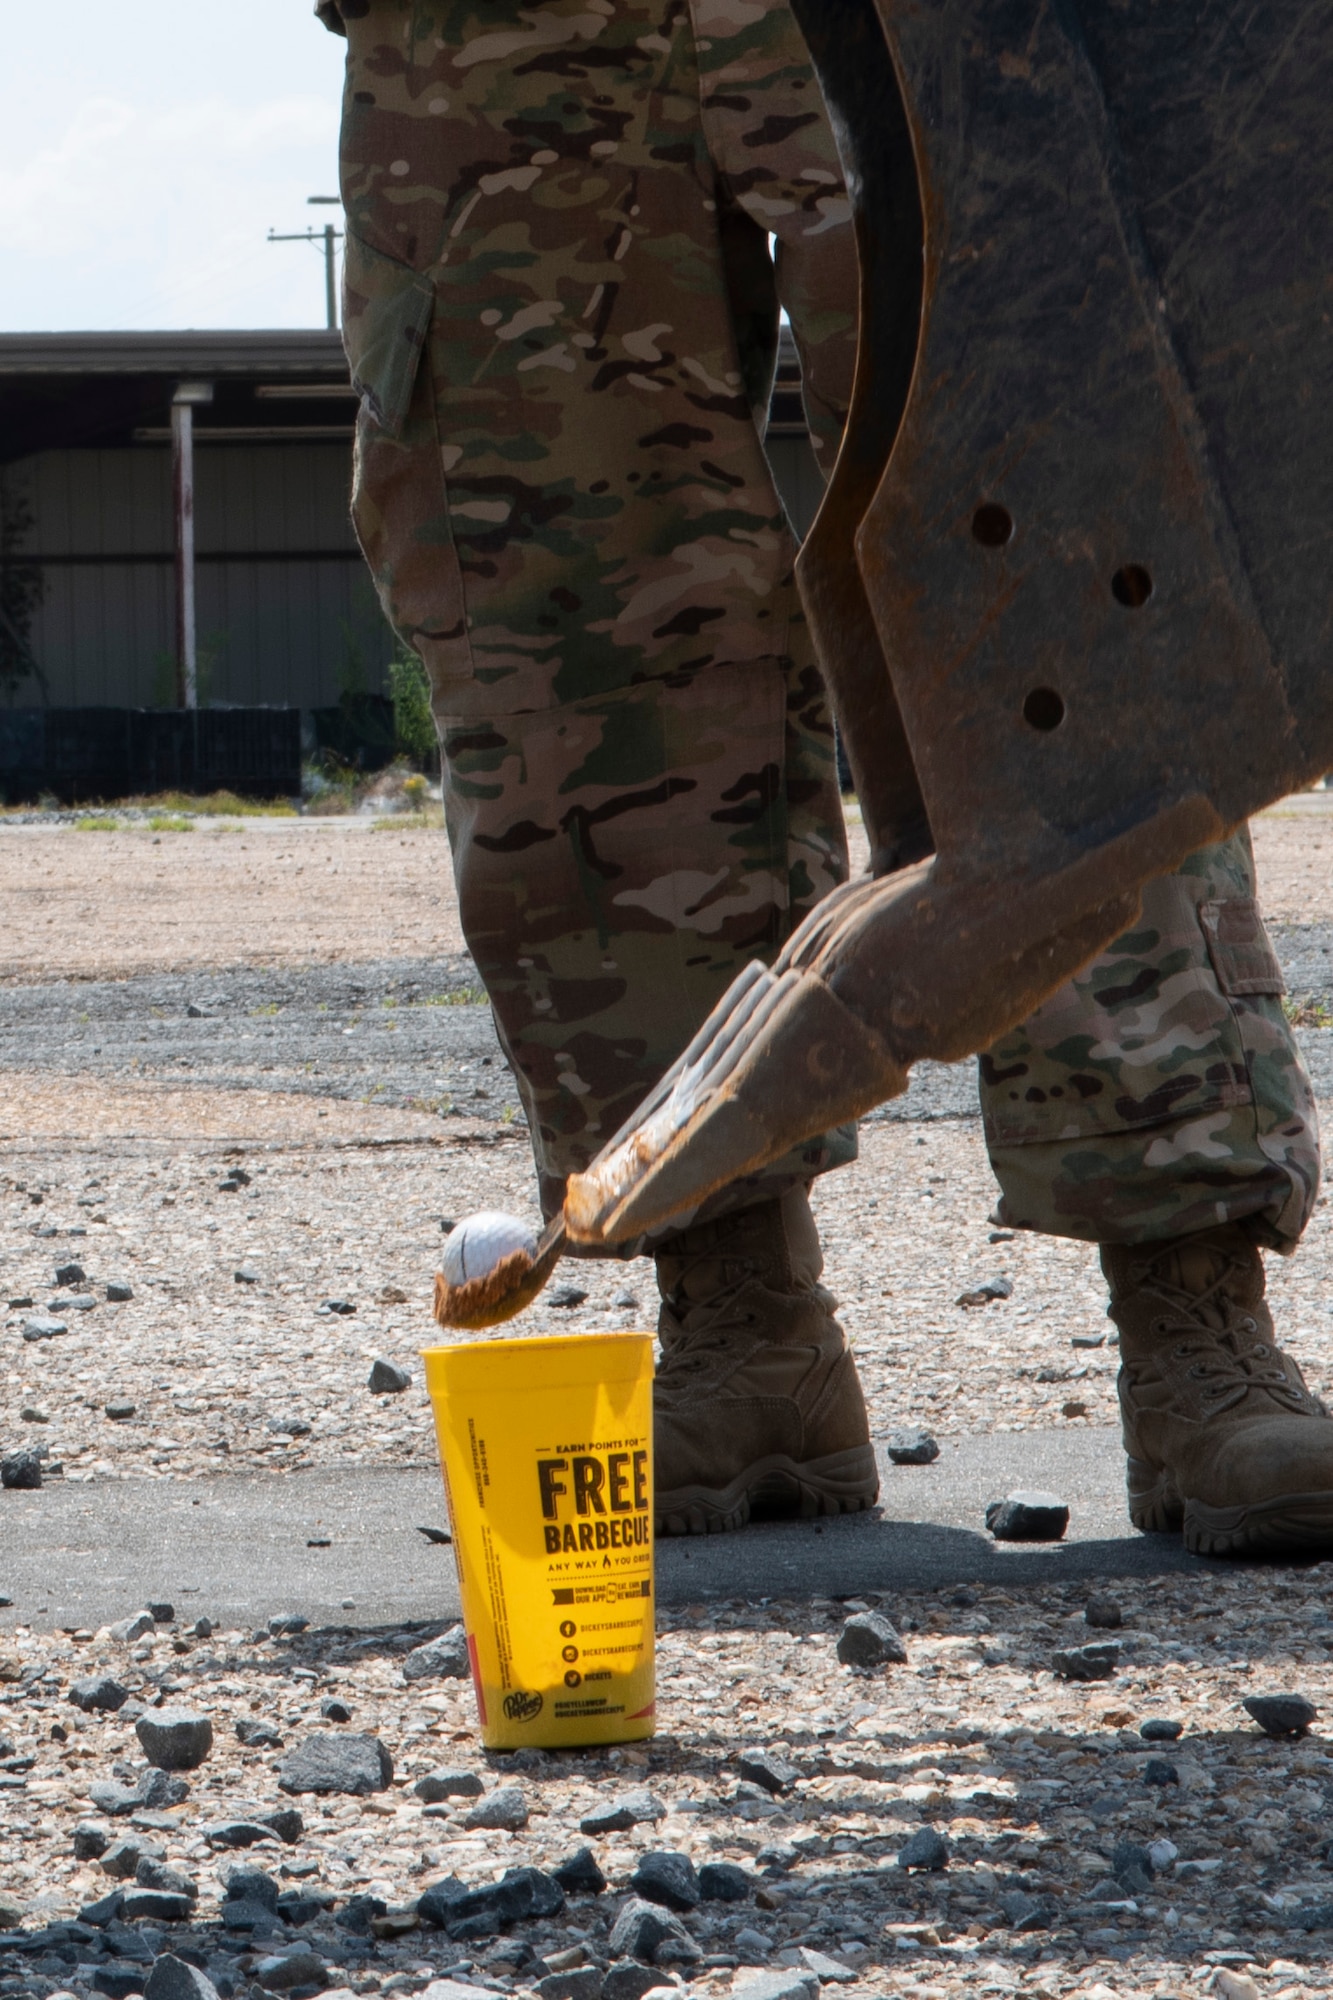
329	236
188	397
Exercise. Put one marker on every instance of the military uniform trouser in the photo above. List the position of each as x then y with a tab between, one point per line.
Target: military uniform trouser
562	496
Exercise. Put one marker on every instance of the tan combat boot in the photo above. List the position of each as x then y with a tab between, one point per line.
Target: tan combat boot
1223	1438
756	1406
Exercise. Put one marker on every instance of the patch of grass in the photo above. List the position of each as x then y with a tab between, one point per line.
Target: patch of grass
422	818
216	803
97	823
462	996
170	823
1307	1011
267	1011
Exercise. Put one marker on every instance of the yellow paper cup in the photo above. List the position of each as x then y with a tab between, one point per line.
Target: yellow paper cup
547	1450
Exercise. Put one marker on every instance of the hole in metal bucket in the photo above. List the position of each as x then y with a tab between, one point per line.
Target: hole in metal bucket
992	525
1131	586
1044	710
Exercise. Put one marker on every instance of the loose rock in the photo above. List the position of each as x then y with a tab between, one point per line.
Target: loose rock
1096	1662
127	1630
1160	1771
175	1739
355	1765
793	1984
155	1905
581	1982
121	1861
99	1694
153	1873
506	1810
775	1774
42	1326
925	1849
828	1971
445	1658
627	1980
642	1928
869	1640
173	1979
630	1809
1103	1613
1028	1516
1281	1714
666	1876
292	1969
21	1472
993	1288
911	1447
387	1379
256	1734
580	1874
724	1882
1024	1912
439	1785
1160	1729
288	1625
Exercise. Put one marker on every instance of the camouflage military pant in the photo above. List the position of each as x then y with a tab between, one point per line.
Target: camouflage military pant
1161	1090
561	313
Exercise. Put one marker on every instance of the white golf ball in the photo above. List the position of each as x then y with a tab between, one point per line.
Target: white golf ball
477	1244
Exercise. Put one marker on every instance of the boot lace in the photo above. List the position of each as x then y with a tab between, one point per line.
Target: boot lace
1222	1365
690	1341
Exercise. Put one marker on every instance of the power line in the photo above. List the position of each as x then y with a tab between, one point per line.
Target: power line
329	236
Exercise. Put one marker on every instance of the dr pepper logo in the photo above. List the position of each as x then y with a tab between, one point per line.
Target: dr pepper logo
521	1706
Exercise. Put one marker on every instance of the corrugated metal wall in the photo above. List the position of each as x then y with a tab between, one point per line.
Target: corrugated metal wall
285	606
797	479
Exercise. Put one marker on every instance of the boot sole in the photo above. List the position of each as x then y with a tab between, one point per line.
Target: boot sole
1155	1507
1293	1521
846	1482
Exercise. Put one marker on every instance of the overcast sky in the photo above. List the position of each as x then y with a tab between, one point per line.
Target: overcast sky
147	147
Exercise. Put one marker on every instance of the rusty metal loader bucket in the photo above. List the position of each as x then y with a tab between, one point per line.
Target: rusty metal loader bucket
1072	581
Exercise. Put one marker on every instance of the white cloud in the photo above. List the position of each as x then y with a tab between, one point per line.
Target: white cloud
138	190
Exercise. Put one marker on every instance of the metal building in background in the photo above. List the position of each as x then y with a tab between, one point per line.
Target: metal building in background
284	611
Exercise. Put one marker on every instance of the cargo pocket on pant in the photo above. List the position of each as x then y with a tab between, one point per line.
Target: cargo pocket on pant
1147	1035
399	503
1243	958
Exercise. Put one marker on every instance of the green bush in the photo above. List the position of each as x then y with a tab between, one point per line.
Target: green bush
414	725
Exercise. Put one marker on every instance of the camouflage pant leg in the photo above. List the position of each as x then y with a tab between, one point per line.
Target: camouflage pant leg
1161	1090
561	492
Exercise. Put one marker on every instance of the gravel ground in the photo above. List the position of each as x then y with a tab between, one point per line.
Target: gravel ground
341	1064
1033	1783
228	1372
300	892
